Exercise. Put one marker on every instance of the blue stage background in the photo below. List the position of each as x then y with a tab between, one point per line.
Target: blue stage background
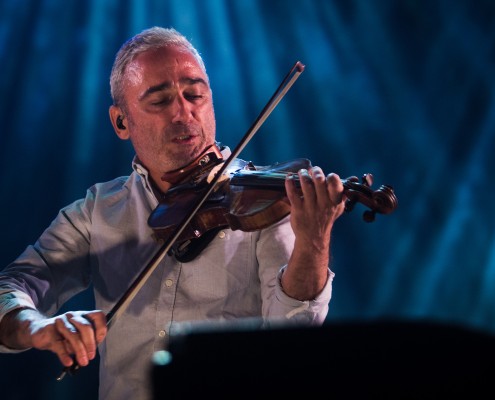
401	89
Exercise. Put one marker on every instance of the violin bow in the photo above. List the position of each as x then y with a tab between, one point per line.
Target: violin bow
121	305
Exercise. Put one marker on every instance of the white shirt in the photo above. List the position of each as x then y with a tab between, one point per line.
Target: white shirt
104	240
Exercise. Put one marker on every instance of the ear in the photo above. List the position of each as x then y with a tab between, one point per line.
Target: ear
116	112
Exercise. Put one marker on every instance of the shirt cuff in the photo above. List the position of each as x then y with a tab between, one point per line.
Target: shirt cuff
308	311
11	300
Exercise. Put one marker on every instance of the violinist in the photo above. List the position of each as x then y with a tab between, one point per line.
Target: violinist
162	103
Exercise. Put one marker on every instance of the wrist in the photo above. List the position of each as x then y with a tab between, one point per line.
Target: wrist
14	328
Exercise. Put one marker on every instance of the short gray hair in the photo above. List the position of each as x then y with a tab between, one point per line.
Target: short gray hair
152	38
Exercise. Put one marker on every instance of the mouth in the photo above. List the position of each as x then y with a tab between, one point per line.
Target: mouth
184	139
183	134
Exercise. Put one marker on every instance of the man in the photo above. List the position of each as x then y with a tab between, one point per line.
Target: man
163	105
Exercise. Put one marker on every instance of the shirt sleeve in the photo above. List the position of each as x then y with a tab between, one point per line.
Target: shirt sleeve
49	272
274	249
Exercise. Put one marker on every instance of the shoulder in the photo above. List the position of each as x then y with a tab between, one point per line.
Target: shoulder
112	187
108	193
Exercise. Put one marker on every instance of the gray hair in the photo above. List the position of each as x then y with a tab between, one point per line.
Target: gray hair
152	38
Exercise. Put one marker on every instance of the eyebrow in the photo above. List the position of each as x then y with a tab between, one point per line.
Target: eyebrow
165	85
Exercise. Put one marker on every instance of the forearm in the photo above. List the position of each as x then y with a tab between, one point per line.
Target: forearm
307	271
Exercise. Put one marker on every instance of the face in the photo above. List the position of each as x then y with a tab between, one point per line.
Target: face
169	114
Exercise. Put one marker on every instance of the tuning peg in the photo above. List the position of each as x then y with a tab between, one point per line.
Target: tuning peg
367	180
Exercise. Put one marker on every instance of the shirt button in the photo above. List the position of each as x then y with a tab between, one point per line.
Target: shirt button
169	282
162	333
139	171
221	234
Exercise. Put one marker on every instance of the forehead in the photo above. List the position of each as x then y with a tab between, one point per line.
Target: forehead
165	63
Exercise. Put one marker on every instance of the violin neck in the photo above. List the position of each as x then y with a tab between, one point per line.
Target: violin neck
265	180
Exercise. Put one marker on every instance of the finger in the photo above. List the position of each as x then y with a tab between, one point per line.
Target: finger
63	352
293	193
99	322
307	186
86	334
320	186
317	175
335	188
68	331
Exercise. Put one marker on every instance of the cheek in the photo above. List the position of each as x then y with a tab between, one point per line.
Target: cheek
211	126
209	122
143	136
144	124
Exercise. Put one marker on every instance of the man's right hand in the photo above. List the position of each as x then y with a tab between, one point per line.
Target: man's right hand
73	334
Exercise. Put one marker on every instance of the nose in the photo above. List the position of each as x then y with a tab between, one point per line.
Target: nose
181	110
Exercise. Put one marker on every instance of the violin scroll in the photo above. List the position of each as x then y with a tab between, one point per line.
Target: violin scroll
382	201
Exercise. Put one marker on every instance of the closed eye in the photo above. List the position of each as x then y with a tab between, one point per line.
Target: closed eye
160	101
193	97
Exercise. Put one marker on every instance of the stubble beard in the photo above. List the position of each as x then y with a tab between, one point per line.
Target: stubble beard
181	155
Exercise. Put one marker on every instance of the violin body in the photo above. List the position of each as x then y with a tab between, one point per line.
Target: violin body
239	203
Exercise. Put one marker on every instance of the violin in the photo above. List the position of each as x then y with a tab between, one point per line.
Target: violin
251	198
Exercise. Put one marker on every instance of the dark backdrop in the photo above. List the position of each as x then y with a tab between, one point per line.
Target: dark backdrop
401	89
